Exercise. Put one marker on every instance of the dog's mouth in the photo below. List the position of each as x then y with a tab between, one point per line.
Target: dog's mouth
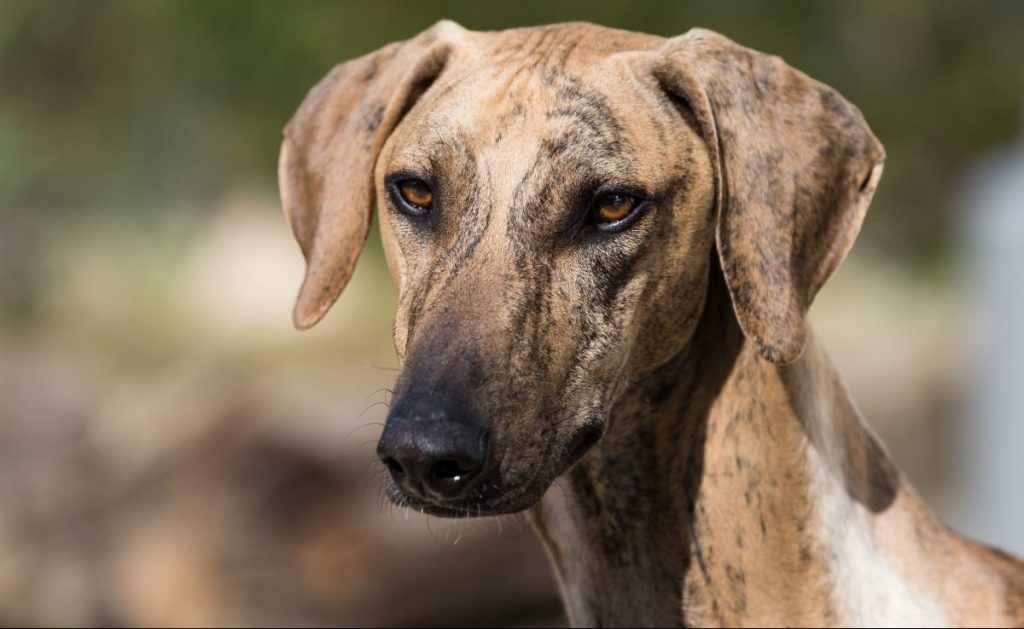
481	503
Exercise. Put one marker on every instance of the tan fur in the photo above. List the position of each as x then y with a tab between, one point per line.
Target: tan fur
686	450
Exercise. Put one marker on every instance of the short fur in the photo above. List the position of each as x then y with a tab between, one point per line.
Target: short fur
686	450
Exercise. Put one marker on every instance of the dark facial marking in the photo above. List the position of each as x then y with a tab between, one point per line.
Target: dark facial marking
463	195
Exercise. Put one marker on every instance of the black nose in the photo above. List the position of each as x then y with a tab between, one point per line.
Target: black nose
430	453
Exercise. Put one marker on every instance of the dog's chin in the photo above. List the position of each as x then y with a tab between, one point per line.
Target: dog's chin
471	507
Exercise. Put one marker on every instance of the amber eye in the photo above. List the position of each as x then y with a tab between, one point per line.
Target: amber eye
612	208
416	194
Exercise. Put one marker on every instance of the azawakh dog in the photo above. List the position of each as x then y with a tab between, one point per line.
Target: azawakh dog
605	244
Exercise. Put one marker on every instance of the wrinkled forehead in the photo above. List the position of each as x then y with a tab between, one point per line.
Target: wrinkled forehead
515	109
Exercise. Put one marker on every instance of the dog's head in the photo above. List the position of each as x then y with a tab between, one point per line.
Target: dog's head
550	203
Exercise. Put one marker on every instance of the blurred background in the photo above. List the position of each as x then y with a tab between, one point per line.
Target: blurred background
173	452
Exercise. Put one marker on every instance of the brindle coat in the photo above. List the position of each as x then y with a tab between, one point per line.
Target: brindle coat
686	450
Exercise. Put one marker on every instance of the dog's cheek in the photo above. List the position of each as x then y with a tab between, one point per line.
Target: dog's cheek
671	310
601	373
678	267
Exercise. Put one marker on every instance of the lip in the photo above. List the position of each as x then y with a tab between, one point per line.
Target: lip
500	504
583	442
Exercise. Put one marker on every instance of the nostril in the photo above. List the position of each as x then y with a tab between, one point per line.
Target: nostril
451	471
396	469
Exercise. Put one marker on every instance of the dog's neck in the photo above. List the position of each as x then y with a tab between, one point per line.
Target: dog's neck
725	492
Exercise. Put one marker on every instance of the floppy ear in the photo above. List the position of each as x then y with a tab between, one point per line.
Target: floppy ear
330	147
796	167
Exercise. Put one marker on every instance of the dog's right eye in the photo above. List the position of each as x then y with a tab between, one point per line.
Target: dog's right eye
413	196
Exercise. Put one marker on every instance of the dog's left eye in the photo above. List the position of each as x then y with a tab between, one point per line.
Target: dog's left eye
415	195
610	211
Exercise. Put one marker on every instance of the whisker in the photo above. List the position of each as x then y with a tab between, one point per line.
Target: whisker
374	405
358	428
375	392
365	443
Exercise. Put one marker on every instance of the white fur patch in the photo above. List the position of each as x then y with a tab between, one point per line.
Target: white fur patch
868	589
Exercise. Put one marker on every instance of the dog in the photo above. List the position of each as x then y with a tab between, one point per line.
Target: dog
605	244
